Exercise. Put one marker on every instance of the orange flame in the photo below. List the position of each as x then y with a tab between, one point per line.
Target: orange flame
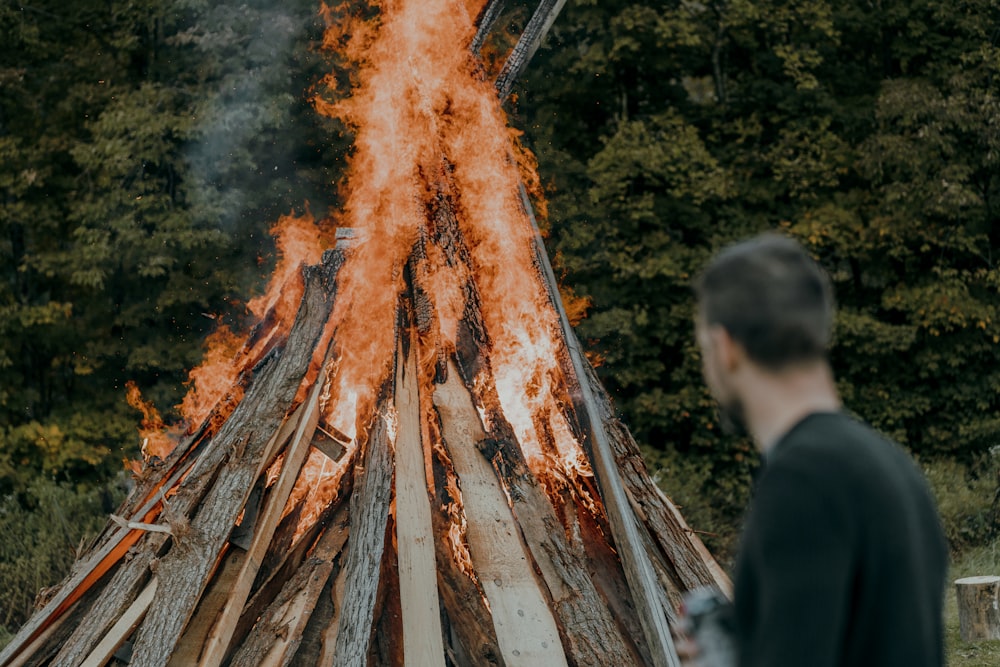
155	439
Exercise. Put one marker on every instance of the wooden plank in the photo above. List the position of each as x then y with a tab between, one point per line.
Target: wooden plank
185	570
639	572
295	456
279	629
369	509
422	640
123	628
192	642
586	625
526	630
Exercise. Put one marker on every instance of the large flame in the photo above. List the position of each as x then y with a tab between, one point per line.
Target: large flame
433	195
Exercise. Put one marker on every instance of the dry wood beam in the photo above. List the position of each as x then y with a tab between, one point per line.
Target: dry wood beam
369	509
529	41
526	630
123	628
192	642
591	636
422	640
295	457
679	545
624	525
185	570
278	631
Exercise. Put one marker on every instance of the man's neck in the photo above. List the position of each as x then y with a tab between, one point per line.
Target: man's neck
781	400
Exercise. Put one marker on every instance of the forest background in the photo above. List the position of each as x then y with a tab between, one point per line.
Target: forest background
146	146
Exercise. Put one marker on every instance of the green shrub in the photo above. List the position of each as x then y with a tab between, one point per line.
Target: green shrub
967	497
41	532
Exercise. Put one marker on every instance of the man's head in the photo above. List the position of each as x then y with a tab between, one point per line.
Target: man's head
763	305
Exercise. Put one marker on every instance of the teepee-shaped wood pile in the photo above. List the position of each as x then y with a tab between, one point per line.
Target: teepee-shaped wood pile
441	538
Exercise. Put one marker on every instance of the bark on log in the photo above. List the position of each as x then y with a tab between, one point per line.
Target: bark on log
691	564
978	608
369	509
184	571
120	591
192	643
295	457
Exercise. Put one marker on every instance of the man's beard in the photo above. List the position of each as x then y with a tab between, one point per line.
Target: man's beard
732	417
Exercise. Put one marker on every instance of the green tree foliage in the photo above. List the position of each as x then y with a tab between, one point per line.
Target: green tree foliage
868	130
145	148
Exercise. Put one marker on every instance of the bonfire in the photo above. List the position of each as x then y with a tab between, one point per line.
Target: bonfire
408	459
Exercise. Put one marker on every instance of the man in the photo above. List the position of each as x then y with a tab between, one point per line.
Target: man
843	560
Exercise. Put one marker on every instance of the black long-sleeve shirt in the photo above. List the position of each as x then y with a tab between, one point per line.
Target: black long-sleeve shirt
843	561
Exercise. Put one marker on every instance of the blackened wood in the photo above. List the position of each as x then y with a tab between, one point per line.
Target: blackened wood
369	510
485	22
529	41
184	571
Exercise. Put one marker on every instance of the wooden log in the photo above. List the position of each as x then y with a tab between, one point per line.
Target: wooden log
278	632
525	627
328	649
369	509
122	628
265	590
131	577
422	639
978	608
589	632
485	21
116	596
185	570
467	622
682	549
386	649
295	457
621	518
192	642
311	647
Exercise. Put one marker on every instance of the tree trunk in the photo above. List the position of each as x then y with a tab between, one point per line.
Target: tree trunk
978	608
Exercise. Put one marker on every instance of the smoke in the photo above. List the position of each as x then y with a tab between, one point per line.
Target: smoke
248	153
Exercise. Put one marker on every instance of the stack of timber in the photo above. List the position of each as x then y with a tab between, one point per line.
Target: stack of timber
207	564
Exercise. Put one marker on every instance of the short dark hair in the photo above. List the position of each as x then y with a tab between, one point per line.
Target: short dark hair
772	298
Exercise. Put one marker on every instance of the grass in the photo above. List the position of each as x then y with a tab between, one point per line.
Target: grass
974	562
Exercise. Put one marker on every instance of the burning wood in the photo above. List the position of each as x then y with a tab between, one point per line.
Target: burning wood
410	462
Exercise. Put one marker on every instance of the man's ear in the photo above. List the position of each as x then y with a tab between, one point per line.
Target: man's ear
729	353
